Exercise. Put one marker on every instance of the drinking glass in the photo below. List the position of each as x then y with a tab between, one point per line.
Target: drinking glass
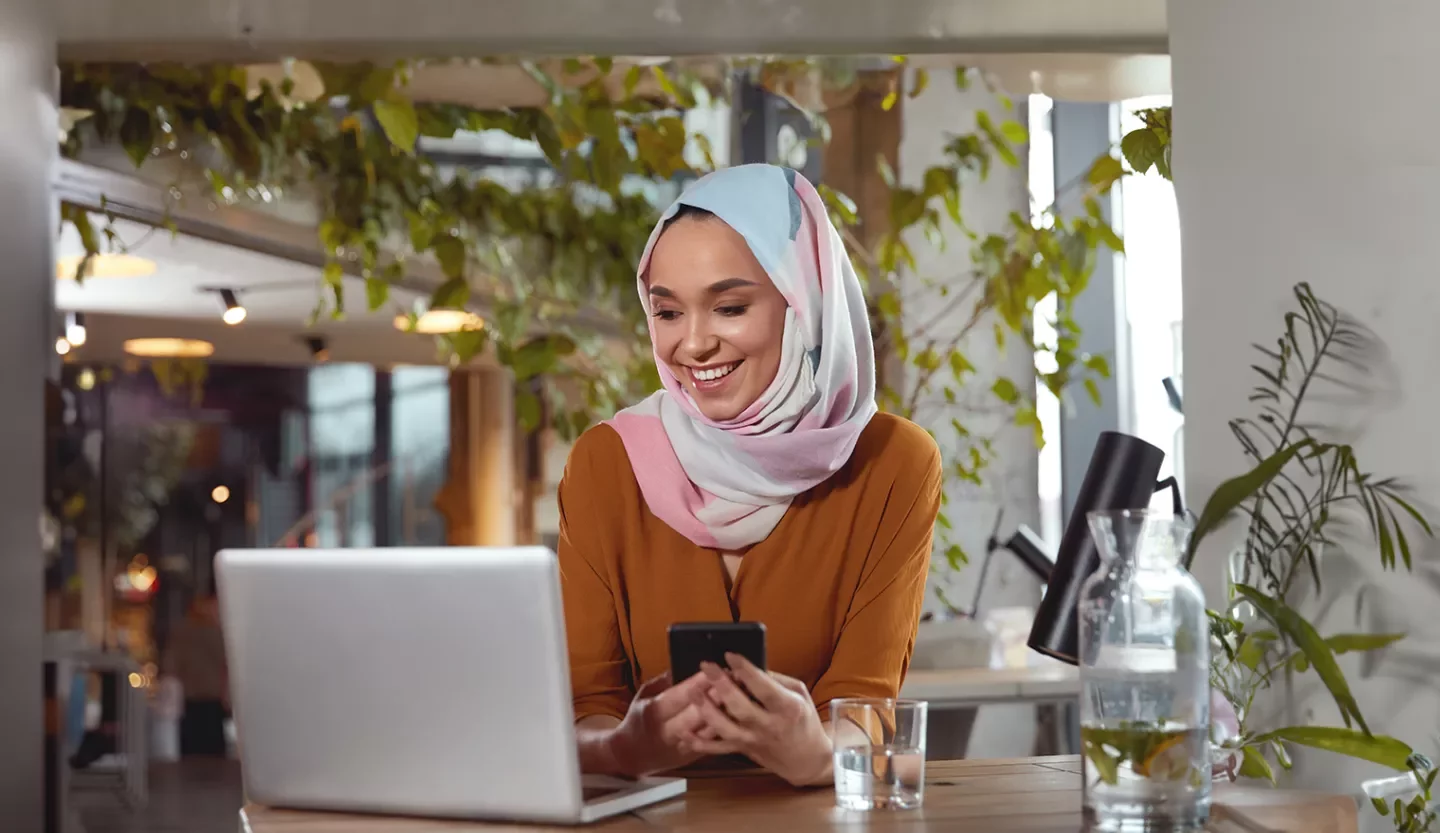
879	753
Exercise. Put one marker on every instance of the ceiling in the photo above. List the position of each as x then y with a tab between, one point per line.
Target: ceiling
257	30
279	296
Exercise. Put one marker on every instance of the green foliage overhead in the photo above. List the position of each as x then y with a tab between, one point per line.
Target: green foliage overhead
551	266
541	261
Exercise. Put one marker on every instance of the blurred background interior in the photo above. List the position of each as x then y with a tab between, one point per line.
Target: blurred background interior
196	397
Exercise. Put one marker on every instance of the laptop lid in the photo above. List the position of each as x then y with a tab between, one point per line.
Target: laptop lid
429	681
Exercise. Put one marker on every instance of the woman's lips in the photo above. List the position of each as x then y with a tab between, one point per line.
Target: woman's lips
712	378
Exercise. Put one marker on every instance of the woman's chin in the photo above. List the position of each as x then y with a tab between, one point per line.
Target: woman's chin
718	409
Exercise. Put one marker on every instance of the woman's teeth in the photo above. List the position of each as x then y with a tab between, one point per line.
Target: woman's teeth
710	374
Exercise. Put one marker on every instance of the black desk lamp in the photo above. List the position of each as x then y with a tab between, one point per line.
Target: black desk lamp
1122	475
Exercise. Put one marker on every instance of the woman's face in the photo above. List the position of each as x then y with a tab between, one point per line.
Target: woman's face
719	320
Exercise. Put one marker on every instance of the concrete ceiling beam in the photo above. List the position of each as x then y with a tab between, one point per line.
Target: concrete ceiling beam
261	30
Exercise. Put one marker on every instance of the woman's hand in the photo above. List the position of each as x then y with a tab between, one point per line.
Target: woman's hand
661	718
766	717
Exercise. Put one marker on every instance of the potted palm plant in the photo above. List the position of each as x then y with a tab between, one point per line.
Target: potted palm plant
1306	499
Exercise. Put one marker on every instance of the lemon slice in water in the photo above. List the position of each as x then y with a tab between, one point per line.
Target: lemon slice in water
1169	761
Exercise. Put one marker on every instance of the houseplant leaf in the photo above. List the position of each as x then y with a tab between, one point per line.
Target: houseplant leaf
1235	491
1308	641
1345	643
1379	749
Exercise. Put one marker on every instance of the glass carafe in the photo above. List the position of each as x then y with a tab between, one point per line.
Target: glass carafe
1144	678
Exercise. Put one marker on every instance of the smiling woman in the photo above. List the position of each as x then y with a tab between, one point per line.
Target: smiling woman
763	486
718	319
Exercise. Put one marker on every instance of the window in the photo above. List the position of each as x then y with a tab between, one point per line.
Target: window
1151	228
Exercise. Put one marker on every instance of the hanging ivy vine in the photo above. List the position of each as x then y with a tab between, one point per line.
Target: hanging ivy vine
551	266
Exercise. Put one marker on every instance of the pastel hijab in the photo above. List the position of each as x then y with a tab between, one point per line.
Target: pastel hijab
726	484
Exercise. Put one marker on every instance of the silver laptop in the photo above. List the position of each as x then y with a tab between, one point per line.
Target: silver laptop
427	682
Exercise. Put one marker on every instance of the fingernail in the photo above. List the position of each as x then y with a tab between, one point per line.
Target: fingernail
710	669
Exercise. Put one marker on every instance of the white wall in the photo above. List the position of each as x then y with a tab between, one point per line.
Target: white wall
1306	150
929	122
27	218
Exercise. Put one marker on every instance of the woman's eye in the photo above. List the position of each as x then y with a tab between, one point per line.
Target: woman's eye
667	314
733	311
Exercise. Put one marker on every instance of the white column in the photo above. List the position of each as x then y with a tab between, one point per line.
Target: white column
1306	150
27	230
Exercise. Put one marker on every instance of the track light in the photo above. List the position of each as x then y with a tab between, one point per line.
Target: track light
234	313
62	346
319	350
75	328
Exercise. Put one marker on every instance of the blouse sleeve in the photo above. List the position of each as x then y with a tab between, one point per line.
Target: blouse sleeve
878	635
598	667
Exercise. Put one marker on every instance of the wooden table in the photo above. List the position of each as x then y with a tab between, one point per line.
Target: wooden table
1035	795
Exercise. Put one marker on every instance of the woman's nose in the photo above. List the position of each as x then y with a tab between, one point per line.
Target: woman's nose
700	341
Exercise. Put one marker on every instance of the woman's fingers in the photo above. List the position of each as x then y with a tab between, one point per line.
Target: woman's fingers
681	725
723	726
703	746
728	694
674	699
761	685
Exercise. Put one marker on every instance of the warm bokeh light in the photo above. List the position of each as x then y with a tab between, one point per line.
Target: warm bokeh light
86	379
441	321
62	346
143	579
190	348
105	265
220	494
136	681
233	315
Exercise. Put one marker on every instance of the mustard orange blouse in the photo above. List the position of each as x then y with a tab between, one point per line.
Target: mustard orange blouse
839	583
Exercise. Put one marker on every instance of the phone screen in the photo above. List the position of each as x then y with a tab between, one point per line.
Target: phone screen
692	643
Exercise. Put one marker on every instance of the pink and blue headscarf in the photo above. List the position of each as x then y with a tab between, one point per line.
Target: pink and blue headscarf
725	485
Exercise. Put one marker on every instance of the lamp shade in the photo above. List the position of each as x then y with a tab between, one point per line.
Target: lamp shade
1122	475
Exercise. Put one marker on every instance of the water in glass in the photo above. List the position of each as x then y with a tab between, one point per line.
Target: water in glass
879	754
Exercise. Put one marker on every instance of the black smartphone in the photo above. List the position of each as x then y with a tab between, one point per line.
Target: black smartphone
692	643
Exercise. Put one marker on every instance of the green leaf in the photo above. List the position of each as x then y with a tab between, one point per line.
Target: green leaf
1229	495
399	121
1093	389
955	557
527	409
1254	765
538	356
1006	391
632	79
922	80
450	251
1015	132
1098	364
1380	749
889	101
377	291
452	294
1345	643
1252	651
1142	149
333	274
959	365
1307	640
1104	172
